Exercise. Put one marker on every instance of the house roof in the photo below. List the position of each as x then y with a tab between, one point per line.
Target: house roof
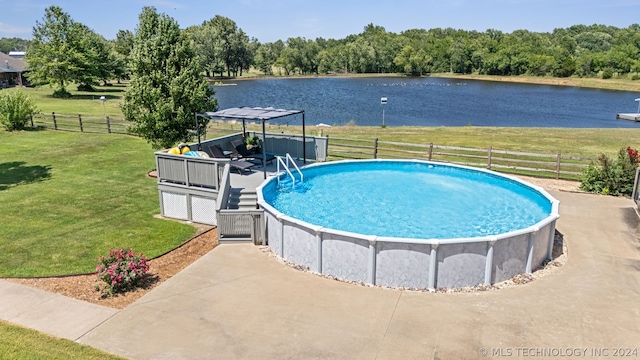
12	64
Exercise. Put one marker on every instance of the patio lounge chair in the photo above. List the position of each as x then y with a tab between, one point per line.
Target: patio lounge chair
239	165
242	152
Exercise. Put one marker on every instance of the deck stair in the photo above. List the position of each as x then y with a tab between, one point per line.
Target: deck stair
237	220
242	199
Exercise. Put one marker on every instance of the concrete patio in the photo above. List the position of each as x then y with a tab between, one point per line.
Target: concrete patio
237	302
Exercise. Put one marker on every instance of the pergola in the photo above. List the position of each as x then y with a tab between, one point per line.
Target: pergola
255	114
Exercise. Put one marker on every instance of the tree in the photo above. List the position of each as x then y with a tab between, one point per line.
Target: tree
413	62
361	56
266	56
64	51
99	60
167	84
54	55
10	44
226	37
207	45
241	52
122	46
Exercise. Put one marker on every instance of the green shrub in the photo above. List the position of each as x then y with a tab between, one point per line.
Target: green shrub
61	93
609	177
635	77
607	73
86	87
15	106
121	270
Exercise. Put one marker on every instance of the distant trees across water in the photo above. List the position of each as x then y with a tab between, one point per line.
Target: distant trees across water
224	49
584	51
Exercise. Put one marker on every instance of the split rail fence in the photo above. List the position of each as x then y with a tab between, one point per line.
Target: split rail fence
542	165
524	163
80	123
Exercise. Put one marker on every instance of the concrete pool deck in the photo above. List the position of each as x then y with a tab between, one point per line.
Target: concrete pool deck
237	302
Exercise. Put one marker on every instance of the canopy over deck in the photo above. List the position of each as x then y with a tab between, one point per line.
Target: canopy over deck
256	114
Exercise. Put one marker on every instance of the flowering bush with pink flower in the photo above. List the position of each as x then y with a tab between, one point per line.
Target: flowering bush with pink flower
612	177
121	270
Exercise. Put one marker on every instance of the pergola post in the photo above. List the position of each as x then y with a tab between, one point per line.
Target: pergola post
264	150
198	131
304	142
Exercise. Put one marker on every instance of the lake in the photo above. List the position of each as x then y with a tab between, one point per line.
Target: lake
432	102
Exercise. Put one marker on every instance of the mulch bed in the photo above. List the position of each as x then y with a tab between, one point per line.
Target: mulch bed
82	287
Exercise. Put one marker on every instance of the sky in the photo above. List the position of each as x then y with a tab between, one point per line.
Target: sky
272	20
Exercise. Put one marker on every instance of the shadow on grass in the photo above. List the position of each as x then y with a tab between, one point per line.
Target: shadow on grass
35	128
95	96
18	173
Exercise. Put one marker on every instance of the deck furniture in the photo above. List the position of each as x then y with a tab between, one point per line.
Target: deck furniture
239	165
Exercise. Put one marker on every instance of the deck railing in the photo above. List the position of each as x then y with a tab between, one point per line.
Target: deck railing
191	188
189	171
281	144
242	224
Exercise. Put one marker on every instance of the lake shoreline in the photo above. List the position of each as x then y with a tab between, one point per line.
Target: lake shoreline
592	83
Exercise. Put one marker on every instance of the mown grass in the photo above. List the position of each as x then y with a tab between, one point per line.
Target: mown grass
20	343
586	143
67	198
81	102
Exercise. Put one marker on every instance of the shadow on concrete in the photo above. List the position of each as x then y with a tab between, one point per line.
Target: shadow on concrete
558	245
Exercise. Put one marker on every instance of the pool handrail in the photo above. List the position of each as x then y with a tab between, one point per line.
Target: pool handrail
296	166
286	168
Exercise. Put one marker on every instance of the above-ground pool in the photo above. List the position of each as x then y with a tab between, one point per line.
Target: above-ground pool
412	224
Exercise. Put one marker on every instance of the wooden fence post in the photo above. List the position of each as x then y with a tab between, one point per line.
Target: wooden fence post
430	150
489	158
375	148
80	122
558	166
55	125
108	125
31	117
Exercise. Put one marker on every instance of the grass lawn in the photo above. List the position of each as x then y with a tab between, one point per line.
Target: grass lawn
587	143
82	102
67	198
21	343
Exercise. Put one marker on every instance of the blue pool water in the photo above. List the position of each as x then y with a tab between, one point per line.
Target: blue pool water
409	200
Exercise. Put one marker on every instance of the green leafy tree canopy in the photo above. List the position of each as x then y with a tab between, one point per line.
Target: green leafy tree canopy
167	84
64	51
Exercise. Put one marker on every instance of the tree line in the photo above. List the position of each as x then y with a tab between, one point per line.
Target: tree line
584	51
64	51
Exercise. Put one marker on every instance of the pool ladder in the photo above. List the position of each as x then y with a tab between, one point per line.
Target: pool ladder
288	170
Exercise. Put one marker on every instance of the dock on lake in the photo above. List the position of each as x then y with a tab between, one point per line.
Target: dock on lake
630	117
